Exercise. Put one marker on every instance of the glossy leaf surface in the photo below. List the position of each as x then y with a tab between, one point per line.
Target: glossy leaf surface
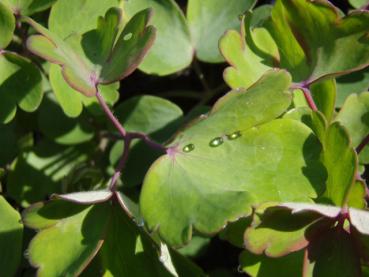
7	26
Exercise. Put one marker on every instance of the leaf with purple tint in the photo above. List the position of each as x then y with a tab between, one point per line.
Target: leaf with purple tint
99	56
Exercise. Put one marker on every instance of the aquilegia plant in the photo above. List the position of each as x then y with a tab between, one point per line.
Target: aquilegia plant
98	178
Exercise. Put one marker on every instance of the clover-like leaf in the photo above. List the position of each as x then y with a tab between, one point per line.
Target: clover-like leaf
7	25
219	166
323	230
99	56
307	54
72	102
11	235
20	85
172	50
209	19
28	7
71	234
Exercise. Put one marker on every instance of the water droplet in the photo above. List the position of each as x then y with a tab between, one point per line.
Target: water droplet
234	135
128	36
188	148
239	269
216	142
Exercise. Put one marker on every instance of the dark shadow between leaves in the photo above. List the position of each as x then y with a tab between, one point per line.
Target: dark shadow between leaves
314	169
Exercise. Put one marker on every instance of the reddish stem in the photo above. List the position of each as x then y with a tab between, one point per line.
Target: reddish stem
121	165
363	143
110	114
309	98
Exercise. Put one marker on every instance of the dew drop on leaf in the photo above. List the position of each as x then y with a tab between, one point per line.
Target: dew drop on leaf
188	148
234	135
140	222
128	36
216	142
26	254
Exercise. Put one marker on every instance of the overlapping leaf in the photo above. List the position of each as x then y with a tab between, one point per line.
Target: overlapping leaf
78	226
209	19
99	56
172	49
318	229
223	163
20	85
7	25
289	40
11	234
354	115
28	7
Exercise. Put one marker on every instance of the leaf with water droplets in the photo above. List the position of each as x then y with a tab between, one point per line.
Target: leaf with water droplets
208	186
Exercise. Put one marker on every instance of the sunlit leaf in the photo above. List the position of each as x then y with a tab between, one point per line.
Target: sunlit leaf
7	25
222	164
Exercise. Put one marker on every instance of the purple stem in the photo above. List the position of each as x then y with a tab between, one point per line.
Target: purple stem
121	165
147	140
309	98
363	143
110	115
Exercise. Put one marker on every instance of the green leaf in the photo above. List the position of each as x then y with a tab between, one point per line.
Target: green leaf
69	17
277	232
82	68
28	7
355	82
11	235
311	55
71	235
324	95
340	159
153	116
209	19
246	67
60	128
263	266
234	232
354	115
72	102
172	50
67	243
358	3
20	84
7	26
39	171
222	164
8	142
333	253
128	251
289	40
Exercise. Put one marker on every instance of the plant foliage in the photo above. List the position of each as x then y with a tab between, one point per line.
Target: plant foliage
109	171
